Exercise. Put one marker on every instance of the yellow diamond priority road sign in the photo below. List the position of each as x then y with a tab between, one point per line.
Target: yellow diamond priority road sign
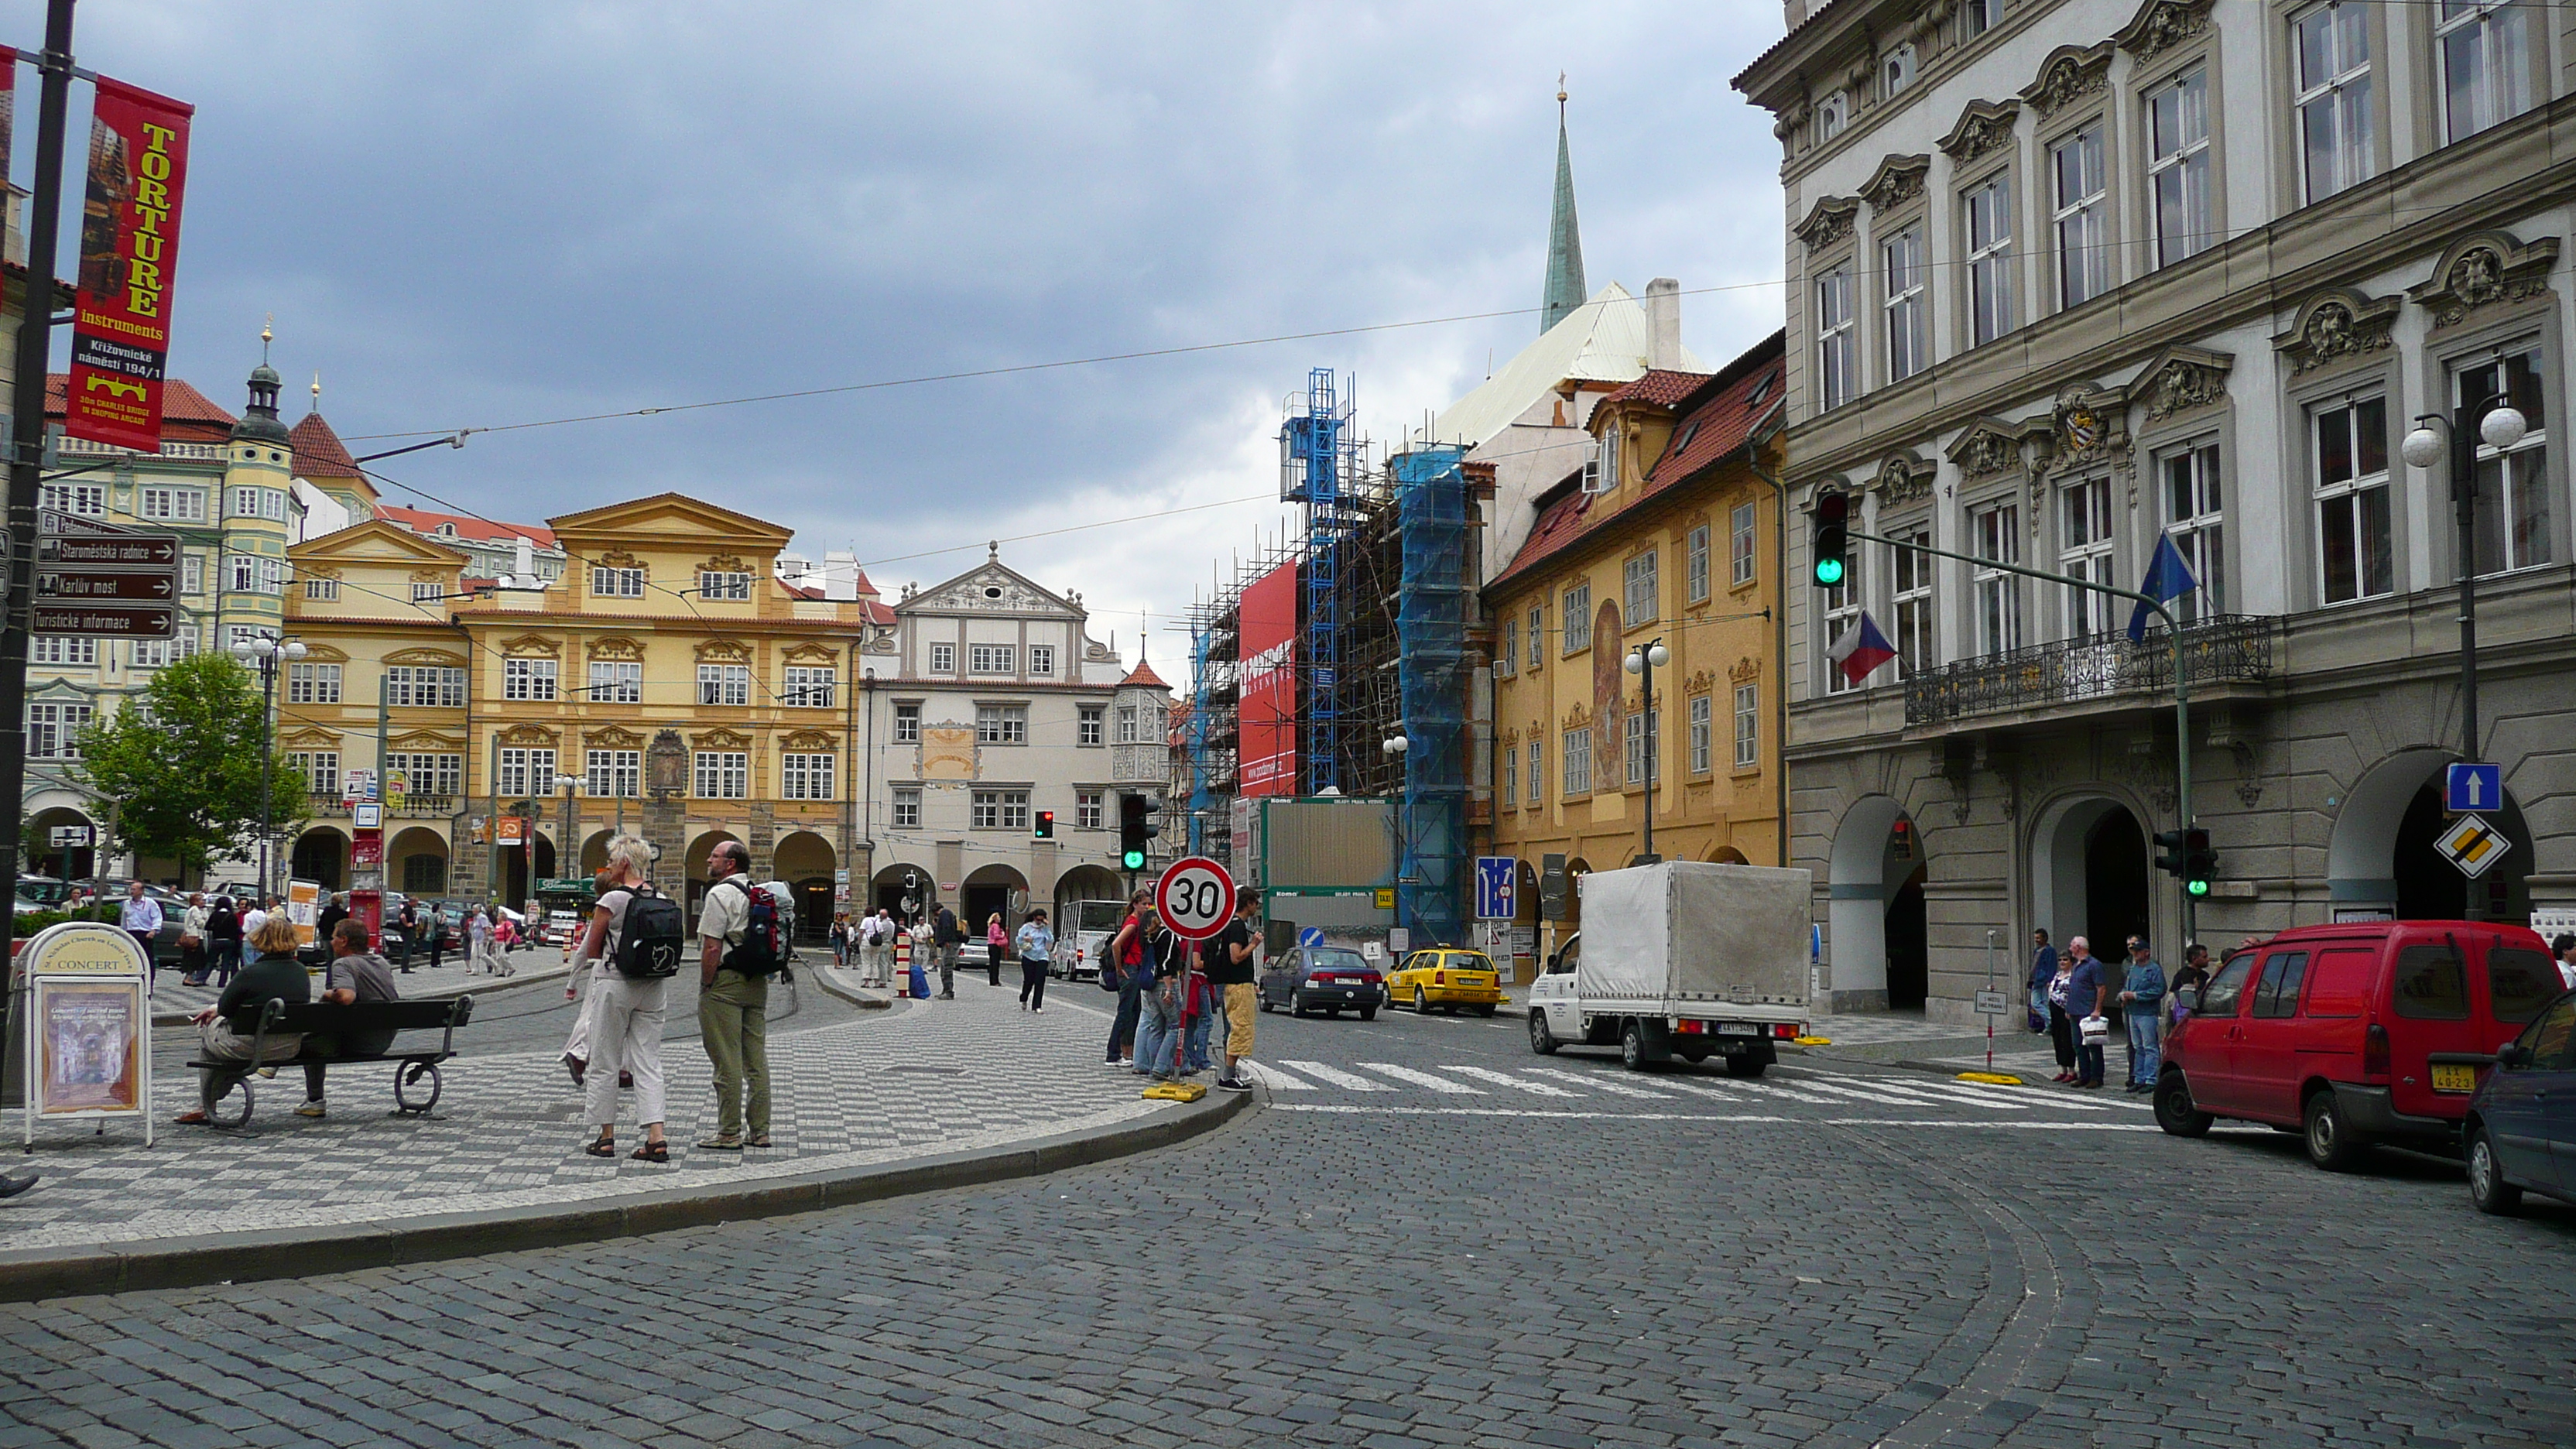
2473	843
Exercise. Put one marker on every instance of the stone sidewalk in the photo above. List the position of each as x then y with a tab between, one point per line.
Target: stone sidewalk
174	1001
955	1081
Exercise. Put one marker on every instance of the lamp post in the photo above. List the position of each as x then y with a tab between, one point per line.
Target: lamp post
1641	661
571	837
2501	425
263	653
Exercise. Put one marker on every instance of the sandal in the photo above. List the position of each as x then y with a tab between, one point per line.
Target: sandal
652	1152
757	1139
606	1146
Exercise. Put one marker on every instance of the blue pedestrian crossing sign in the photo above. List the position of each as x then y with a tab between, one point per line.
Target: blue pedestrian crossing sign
1310	935
1497	877
2473	788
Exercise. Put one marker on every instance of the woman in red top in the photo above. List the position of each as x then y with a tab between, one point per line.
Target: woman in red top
1124	956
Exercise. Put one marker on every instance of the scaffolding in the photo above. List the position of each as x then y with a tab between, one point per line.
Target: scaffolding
1432	615
1319	466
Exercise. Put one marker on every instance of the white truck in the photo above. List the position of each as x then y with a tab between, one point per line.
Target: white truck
1081	938
1681	959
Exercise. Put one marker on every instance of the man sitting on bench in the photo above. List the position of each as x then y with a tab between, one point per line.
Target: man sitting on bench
273	973
357	974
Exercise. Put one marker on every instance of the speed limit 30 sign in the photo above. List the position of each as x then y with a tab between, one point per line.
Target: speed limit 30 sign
1195	898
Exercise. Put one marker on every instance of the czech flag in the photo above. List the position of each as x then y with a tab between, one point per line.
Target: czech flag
2168	578
1861	649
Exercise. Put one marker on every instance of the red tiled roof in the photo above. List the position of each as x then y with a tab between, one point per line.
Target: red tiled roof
319	453
1143	674
470	529
1666	389
1724	411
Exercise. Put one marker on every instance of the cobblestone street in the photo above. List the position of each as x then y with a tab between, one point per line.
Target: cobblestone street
1456	1243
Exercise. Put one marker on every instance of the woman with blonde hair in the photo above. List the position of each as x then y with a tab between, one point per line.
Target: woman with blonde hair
272	973
625	1012
997	943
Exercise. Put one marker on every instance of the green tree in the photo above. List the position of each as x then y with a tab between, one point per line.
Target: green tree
181	764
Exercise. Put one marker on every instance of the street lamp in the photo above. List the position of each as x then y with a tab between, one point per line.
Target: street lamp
1641	661
567	783
262	653
2502	425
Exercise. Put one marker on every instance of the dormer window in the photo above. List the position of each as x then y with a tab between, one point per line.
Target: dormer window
447	530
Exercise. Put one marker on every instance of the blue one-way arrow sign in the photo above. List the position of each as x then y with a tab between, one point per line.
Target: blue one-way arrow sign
2474	788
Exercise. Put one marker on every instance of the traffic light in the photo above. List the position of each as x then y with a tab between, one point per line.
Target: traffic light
1136	826
2169	858
1832	550
2199	863
1042	825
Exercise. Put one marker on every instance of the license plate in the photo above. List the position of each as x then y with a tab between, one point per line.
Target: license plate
1738	1028
2449	1078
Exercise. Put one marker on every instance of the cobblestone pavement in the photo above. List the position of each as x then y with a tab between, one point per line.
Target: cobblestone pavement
1431	1236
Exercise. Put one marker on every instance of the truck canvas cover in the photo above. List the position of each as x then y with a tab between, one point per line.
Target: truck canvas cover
1686	932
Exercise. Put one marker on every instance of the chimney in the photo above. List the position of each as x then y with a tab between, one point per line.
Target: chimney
1664	323
525	565
841	575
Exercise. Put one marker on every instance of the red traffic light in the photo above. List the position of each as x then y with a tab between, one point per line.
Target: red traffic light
1833	506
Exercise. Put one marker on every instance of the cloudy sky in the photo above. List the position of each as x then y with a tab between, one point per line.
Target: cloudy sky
471	214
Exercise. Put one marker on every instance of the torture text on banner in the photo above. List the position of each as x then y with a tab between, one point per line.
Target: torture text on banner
138	166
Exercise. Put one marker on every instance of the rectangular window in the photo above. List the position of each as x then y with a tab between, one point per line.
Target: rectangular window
321	589
53	730
528	772
2178	166
192	574
1976	17
943	659
731	586
724	684
2084	552
425	687
907	724
320	769
83	498
312	683
1508	661
615	774
2352	501
989	658
1748	725
1537	632
1832	114
1911	571
1042	660
1127	724
1578	761
241	573
1090	809
62	649
907	809
1740	543
1537	773
1088	724
616	583
2083	225
171	505
805	777
427	591
2332	46
1511	791
527	679
812	686
2486	65
1908	306
151	653
2513	483
1842	615
1001	810
1996	533
1640	740
1989	228
272	576
1008	724
1696	583
1702	726
1577	614
429	774
1834	378
616	681
1638	574
723	774
2196	519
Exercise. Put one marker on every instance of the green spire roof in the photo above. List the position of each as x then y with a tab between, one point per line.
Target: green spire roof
1565	290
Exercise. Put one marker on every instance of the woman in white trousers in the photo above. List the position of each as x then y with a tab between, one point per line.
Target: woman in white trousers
624	1014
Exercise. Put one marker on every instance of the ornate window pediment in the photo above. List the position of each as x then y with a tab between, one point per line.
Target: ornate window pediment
1701	681
532	644
426	656
610	737
316	571
723	651
1904	478
810	742
1984	126
2070	73
726	563
527	734
2160	25
616	647
1577	717
2180	379
2089	423
427	742
1745	670
325	653
811	654
310	739
721	739
2337	325
1898	180
2483	268
1988	447
1829	223
616	558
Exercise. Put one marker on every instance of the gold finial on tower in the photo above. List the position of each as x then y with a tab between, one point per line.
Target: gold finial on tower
267	334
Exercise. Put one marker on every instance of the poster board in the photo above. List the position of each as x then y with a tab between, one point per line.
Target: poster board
88	1045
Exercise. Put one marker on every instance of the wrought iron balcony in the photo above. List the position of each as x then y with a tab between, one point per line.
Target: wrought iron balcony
2224	648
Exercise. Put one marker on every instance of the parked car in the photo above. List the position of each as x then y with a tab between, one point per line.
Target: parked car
1447	977
44	890
2354	1033
2520	1132
1330	979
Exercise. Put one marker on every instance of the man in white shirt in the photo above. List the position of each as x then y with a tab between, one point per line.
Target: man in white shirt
140	915
255	917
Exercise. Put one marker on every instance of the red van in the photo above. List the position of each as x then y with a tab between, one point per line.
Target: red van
2353	1033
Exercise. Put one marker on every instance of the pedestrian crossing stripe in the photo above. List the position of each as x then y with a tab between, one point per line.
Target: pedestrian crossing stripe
1810	1088
1485	1075
1422	1079
1598	1084
1276	1081
1335	1076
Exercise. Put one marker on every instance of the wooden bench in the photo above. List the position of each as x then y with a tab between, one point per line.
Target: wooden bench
276	1017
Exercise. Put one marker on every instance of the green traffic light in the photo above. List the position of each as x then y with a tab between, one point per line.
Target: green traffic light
1134	860
2196	887
1829	572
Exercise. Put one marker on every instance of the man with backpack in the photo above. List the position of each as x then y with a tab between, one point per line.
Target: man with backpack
742	942
949	935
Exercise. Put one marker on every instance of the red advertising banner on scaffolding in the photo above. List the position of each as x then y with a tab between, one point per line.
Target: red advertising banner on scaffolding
138	169
1268	720
8	103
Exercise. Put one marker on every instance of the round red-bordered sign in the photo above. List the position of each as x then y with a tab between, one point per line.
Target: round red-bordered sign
1195	898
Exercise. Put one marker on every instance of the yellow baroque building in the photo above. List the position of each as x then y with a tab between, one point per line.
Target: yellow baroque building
668	683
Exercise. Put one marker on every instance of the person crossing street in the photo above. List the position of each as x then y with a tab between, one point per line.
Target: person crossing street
1036	945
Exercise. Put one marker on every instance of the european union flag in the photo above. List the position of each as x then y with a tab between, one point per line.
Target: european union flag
2168	578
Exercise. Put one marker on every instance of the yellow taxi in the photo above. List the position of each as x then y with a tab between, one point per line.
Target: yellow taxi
1448	977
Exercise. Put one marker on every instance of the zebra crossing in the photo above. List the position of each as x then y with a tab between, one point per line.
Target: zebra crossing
1303	1084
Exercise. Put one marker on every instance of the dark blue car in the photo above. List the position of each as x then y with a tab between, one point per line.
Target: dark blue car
2520	1132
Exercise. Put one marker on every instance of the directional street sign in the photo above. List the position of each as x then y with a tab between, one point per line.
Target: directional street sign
1496	876
108	621
105	580
2470	787
1310	935
2473	844
161	586
133	551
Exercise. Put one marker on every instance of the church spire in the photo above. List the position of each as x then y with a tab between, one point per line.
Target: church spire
1565	290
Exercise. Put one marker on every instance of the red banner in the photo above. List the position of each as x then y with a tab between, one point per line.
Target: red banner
8	103
138	167
1268	721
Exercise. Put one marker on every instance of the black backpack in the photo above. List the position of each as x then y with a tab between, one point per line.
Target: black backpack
764	936
650	939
